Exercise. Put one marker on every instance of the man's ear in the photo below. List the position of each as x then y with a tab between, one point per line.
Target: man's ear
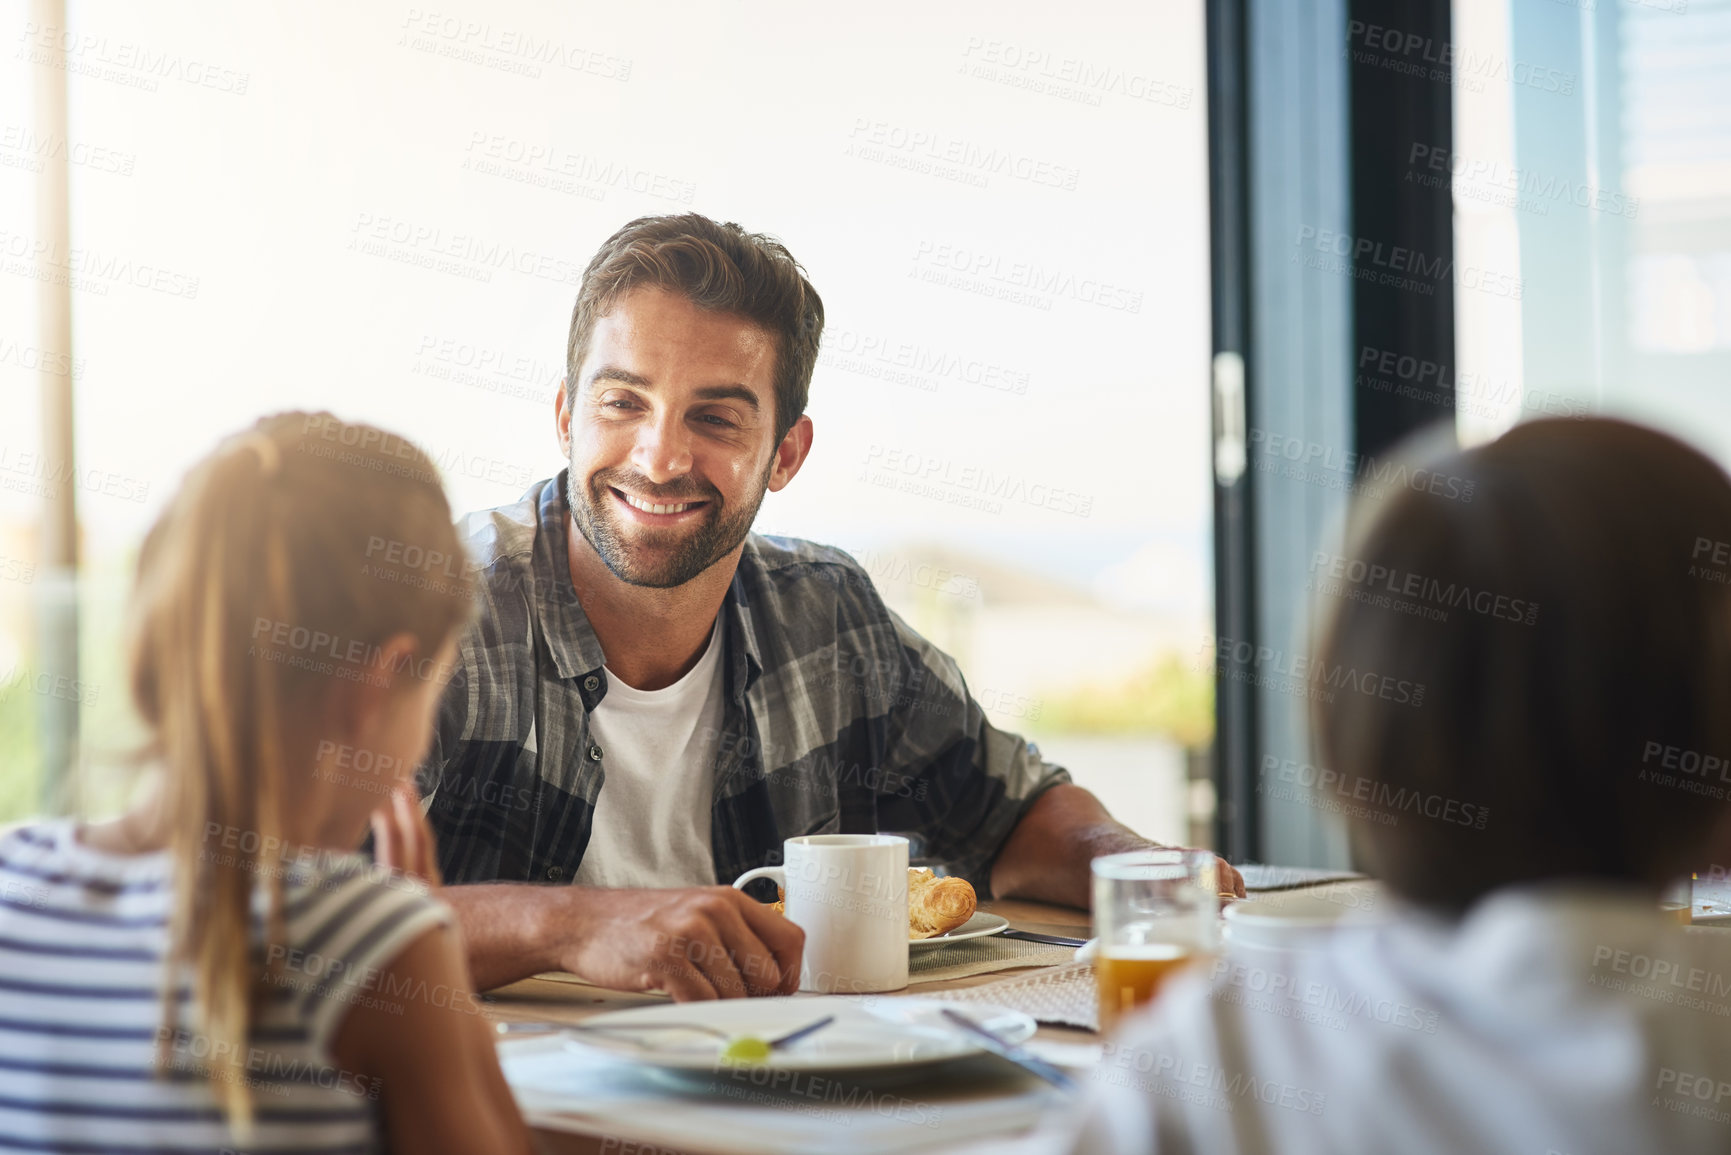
562	419
790	454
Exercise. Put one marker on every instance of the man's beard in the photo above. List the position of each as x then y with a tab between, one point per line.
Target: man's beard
719	534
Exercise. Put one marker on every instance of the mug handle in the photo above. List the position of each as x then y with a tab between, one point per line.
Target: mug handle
779	873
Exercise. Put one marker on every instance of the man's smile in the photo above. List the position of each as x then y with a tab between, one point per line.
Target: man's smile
649	512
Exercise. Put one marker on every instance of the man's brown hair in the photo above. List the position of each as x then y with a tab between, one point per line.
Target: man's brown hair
720	267
1580	726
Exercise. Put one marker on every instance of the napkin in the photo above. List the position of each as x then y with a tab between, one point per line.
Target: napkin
1062	994
978	956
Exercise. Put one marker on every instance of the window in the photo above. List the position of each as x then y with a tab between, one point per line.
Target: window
385	212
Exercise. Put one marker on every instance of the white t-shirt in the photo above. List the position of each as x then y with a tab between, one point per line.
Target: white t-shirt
658	747
1551	1019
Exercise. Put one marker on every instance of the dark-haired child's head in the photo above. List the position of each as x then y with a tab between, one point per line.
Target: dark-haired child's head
1565	605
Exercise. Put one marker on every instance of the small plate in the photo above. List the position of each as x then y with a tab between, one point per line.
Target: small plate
868	1034
981	925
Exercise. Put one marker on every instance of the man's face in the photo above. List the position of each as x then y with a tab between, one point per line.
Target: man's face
671	427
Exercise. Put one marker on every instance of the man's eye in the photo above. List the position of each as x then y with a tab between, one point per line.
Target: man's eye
716	419
618	403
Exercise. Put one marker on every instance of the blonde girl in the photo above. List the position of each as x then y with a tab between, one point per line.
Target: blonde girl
217	969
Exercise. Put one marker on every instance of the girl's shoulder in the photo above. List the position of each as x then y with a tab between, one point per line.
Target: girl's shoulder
345	919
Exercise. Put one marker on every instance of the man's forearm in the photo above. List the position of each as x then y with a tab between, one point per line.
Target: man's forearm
507	929
1046	856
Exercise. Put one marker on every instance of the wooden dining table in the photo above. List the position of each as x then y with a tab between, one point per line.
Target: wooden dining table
550	1001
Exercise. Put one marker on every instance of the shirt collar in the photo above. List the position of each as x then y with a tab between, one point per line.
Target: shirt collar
571	639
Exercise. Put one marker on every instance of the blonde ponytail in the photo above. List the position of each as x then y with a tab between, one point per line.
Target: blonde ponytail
275	527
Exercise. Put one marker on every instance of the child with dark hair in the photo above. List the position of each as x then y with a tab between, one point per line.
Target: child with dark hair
1571	756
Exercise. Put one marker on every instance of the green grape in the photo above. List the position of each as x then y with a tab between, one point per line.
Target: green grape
745	1049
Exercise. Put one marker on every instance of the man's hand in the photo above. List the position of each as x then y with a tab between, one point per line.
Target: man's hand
1047	855
699	943
1230	881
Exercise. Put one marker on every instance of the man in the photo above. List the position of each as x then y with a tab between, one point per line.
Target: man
654	698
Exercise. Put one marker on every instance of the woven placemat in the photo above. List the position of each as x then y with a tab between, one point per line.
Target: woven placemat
1061	994
981	956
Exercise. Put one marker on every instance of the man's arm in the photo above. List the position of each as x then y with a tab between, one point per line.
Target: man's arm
694	943
502	927
1047	855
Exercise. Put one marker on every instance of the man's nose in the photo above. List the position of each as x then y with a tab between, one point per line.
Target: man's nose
663	449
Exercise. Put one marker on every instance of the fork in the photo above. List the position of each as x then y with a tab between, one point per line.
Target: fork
787	1039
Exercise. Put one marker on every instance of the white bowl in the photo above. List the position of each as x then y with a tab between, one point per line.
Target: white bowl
1283	922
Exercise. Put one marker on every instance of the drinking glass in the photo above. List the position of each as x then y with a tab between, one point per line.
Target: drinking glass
1155	912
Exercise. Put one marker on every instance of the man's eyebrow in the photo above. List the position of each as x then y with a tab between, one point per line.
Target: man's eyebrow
623	376
729	392
707	393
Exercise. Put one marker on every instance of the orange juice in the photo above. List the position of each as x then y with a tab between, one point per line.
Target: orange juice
1131	976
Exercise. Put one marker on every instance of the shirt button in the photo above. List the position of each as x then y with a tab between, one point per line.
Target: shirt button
594	753
554	874
591	683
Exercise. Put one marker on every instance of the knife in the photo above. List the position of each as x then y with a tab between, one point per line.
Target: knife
1015	1053
1032	936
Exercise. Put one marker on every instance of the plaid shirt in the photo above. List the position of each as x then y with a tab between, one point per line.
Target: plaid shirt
837	718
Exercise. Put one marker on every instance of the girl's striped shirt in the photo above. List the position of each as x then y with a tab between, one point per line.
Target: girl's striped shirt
83	934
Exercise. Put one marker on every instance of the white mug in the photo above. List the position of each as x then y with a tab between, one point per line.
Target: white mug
849	893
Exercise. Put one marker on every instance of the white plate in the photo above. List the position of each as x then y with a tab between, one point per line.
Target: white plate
981	925
867	1034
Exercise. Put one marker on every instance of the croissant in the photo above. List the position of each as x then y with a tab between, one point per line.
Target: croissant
935	905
